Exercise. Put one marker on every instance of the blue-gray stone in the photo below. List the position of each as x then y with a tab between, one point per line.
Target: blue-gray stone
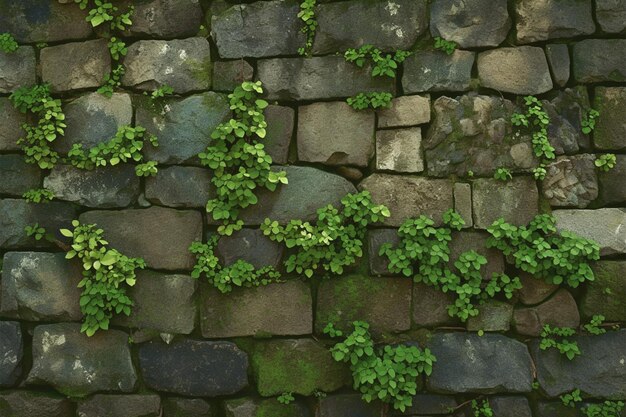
11	353
16	176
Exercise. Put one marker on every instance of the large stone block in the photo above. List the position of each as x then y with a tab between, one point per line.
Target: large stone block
474	133
160	236
188	407
260	29
437	71
93	118
611	15
301	366
493	316
385	303
31	404
283	309
17	69
77	365
165	18
560	311
11	352
105	187
183	64
600	60
606	295
566	111
427	404
488	364
11	121
388	26
571	181
227	75
516	201
405	111
520	70
430	306
559	61
15	215
540	20
143	405
408	196
534	290
470	24
165	188
511	406
399	150
184	126
348	405
16	176
176	316
599	372
317	78
612	190
335	134
73	66
280	124
40	286
605	226
250	245
194	368
610	131
256	407
32	21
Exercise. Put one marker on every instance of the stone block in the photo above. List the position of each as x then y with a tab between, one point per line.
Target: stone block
31	403
399	150
227	75
463	202
12	352
611	15
607	227
17	176
17	69
612	190
188	407
571	181
280	124
599	60
559	311
606	295
11	121
558	59
430	306
375	239
250	245
437	71
540	20
516	201
144	405
165	188
405	111
166	19
610	132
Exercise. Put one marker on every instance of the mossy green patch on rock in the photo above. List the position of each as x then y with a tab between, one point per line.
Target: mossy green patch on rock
301	366
607	294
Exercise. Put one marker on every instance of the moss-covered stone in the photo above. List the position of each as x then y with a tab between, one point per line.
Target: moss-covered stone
607	294
301	366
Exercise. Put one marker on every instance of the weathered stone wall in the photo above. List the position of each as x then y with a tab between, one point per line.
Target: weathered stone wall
188	350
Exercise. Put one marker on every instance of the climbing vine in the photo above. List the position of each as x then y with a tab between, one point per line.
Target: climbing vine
307	15
373	100
556	337
382	64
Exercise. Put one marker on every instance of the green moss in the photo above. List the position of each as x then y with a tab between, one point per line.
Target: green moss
201	71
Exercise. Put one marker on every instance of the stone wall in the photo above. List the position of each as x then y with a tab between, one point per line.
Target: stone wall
188	350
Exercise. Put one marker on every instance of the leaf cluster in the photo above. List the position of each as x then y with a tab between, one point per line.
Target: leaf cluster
117	48
148	169
160	92
35	231
383	64
239	162
595	325
481	409
570	399
389	374
605	409
556	337
502	174
372	100
40	195
307	15
446	46
335	241
606	162
589	121
535	121
112	81
102	11
7	43
106	275
540	250
286	398
50	124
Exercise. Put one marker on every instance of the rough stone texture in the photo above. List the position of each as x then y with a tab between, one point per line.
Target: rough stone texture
516	201
15	215
611	304
474	133
519	70
280	124
194	368
104	187
261	29
165	188
17	69
437	71
463	202
11	121
31	404
534	290
405	111
348	405
558	59
560	311
470	24
612	190
407	196
317	78
77	365
550	409
477	241
430	306
31	21
485	364
493	316
176	316
77	65
250	245
540	20
335	134
93	118
16	176
308	190
571	181
428	404
387	25
255	407
399	150
183	64
11	352
183	127
301	366
229	74
166	18
605	226
599	60
610	131
385	303
120	405
133	233
598	372
40	286
566	112
510	406
187	407
611	15
283	309
375	239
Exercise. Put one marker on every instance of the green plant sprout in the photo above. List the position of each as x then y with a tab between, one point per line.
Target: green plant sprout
595	325
383	64
446	46
555	337
482	409
502	174
112	81
605	409
571	399
606	162
307	15
286	398
35	231
148	169
589	121
40	195
535	121
8	44
374	100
